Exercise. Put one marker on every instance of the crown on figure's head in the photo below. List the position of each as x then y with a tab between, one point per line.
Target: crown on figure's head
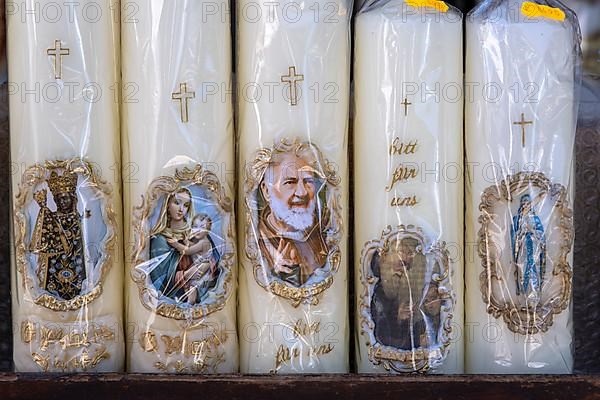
59	184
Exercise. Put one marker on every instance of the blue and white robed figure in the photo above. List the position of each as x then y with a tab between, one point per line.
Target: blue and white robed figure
528	242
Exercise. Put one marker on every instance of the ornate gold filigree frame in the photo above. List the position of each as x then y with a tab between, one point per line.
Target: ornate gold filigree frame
36	175
255	172
141	217
519	318
421	359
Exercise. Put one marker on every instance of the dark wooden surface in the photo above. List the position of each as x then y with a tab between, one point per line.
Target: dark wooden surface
160	387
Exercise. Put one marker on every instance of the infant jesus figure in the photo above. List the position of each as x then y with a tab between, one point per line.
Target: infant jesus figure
199	259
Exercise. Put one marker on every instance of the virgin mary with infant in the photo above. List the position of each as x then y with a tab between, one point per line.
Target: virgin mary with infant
187	260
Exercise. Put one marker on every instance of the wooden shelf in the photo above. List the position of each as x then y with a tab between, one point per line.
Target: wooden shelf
307	387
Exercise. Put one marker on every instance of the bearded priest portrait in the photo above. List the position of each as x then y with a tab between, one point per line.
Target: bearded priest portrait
293	218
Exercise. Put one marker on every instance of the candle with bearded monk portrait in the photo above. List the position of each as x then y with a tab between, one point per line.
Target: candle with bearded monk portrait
409	188
67	271
293	91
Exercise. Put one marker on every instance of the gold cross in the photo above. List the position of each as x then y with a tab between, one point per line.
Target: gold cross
292	79
523	123
406	104
57	52
183	96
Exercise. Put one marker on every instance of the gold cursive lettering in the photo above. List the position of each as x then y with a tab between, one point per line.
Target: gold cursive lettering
402	174
303	328
399	148
148	342
173	344
27	331
50	335
284	355
321	350
404	201
74	339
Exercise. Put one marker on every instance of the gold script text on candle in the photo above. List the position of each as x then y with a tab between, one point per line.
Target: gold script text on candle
52	334
205	352
403	173
399	148
75	339
285	354
181	344
301	328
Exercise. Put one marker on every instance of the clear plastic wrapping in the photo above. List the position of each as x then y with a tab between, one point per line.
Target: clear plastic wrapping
67	271
523	68
179	159
293	92
408	187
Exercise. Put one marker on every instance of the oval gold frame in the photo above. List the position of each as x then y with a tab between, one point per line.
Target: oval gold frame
520	319
37	174
419	360
141	214
255	172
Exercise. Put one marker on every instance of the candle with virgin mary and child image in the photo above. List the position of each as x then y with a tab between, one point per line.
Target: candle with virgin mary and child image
67	271
409	187
293	93
178	158
522	60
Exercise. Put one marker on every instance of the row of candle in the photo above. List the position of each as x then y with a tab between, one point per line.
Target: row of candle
175	140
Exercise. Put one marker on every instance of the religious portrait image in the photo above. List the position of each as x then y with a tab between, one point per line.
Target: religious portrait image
184	245
64	233
525	240
293	220
407	303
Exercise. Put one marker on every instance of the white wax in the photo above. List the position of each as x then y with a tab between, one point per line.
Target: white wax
528	66
314	39
405	53
61	119
171	43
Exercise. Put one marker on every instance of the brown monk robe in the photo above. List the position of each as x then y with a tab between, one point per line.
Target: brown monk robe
402	303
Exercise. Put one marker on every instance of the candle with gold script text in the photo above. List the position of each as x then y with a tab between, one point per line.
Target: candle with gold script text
293	93
179	165
67	272
408	188
520	130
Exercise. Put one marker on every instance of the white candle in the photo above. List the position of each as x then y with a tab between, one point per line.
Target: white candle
519	229
408	188
67	275
179	150
293	89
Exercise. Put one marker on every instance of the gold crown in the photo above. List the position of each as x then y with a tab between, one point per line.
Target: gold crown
66	183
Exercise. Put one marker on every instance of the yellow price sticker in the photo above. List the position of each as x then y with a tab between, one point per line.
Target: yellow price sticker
532	10
437	4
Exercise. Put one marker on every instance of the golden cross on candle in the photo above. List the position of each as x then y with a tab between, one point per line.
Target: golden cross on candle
406	104
292	79
523	123
58	52
183	96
